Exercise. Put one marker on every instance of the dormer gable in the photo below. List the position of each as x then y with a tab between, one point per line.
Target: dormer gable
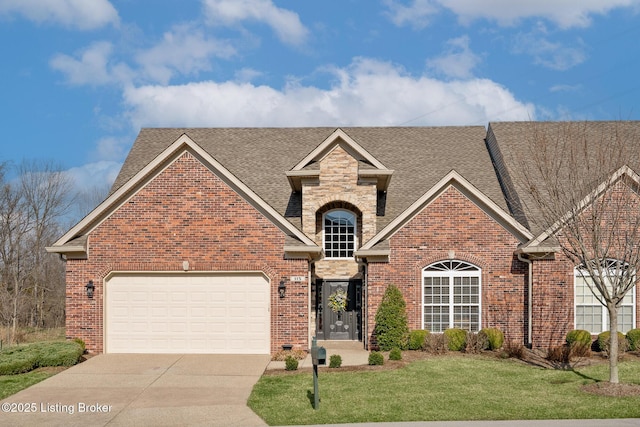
369	168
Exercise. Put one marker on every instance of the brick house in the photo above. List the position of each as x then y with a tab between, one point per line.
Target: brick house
238	240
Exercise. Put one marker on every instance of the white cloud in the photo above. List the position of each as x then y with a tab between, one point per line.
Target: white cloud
416	14
549	54
564	13
458	61
93	66
565	88
78	14
184	50
245	75
112	148
285	23
368	92
95	174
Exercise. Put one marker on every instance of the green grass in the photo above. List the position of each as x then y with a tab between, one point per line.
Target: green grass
19	363
452	387
11	384
27	357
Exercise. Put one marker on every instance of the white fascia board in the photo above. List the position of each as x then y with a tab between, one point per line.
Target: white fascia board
584	203
120	196
453	178
322	149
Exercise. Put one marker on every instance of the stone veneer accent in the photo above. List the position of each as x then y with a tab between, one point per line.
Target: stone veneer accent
338	187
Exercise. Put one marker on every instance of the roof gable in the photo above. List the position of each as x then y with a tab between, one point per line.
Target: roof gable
456	180
264	158
152	169
543	242
370	167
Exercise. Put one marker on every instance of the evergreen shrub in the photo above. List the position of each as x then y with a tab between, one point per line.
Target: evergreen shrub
392	328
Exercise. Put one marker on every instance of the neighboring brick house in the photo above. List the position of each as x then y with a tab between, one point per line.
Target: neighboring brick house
238	241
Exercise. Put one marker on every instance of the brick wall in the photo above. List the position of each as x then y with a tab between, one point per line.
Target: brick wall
187	213
552	301
453	224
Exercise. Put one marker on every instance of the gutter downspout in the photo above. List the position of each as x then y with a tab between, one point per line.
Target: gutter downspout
311	333
529	299
365	303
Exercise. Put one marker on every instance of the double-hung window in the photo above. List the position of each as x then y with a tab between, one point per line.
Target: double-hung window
592	316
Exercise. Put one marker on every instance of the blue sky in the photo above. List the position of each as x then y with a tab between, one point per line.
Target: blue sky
80	78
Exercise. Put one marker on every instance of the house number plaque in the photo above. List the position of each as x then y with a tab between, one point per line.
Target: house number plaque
298	278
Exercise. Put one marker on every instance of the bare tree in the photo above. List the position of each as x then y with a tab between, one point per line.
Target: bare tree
14	226
578	186
31	207
87	199
46	191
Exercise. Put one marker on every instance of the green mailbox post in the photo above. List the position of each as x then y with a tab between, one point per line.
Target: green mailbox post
318	357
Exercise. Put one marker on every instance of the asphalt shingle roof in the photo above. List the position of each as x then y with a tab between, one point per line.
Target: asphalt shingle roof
260	157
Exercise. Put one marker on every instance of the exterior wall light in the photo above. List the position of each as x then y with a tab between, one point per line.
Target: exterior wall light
90	287
282	289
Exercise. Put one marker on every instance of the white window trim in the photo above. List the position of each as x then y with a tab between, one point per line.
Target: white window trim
355	232
605	314
451	274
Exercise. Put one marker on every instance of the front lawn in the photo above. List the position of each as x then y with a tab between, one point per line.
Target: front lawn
451	387
24	365
11	384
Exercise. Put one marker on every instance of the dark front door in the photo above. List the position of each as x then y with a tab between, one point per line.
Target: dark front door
339	310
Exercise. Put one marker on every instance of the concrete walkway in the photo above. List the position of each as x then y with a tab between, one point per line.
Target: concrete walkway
143	390
351	352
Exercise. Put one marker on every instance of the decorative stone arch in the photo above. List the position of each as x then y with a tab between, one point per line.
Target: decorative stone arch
337	204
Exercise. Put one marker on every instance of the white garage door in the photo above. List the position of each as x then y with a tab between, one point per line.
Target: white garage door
187	313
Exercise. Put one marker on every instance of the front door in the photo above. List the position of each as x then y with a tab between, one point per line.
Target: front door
339	310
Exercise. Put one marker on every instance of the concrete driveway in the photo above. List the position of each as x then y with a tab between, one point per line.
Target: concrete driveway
142	389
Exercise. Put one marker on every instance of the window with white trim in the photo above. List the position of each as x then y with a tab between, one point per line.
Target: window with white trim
339	234
451	296
592	316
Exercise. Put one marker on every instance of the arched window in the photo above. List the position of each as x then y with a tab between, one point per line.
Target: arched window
590	314
339	234
451	296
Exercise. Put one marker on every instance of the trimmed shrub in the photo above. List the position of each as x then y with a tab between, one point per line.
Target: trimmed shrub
376	358
59	354
392	329
456	338
290	363
282	355
417	339
604	341
17	360
335	361
81	343
633	339
395	354
25	358
579	336
494	337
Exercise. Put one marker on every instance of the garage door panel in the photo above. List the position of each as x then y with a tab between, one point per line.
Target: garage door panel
187	314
